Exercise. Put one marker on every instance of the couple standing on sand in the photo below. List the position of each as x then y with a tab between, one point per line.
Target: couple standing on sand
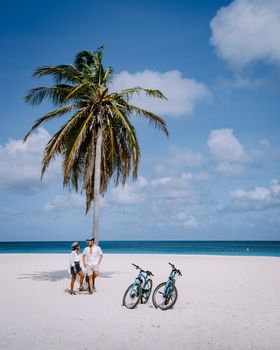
92	257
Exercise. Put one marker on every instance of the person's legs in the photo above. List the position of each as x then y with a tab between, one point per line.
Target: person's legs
73	279
95	274
81	275
90	273
87	280
90	278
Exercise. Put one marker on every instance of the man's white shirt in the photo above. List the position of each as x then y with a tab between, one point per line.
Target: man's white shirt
92	259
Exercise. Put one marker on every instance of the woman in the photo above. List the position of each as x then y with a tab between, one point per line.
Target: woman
75	267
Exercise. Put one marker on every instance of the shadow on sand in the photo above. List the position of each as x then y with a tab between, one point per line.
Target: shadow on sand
58	275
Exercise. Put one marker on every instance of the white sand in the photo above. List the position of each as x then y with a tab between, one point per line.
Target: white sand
224	303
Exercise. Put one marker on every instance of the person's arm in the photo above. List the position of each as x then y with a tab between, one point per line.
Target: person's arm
84	257
100	259
72	257
84	260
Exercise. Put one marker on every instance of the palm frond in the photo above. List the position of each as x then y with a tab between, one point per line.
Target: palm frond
128	93
64	72
128	132
55	93
73	150
84	58
58	142
77	91
108	75
56	113
154	119
87	57
125	124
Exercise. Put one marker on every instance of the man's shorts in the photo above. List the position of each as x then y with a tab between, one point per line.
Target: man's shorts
92	268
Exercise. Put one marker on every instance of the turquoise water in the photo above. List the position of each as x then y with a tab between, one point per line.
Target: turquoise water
246	248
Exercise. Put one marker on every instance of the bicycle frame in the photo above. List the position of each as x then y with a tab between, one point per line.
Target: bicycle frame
171	281
140	280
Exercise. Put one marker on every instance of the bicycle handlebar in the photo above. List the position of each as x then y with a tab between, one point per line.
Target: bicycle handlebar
176	270
149	273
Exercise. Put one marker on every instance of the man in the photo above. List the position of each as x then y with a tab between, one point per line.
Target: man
92	257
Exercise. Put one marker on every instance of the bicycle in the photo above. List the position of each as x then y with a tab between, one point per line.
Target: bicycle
165	295
140	290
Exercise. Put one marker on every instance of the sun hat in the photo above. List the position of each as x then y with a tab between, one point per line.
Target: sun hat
74	245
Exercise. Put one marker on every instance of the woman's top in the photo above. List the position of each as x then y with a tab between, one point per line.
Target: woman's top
74	258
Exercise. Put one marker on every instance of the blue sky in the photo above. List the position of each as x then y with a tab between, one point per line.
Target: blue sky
215	177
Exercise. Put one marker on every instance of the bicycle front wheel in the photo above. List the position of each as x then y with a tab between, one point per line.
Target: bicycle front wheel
165	299
146	291
132	296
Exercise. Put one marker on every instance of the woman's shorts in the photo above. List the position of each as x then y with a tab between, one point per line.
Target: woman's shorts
77	267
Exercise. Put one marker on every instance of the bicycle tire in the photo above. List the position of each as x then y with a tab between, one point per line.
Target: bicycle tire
136	299
163	306
146	293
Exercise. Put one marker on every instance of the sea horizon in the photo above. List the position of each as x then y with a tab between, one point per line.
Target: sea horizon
185	247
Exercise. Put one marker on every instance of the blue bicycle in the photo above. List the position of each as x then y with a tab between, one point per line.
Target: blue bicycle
140	290
165	295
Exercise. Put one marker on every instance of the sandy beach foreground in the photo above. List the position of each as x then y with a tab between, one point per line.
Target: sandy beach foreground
224	303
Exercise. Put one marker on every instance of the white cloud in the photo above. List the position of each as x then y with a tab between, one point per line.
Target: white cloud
186	221
160	181
178	159
21	164
275	187
180	216
69	201
264	142
182	93
258	194
247	31
256	199
227	151
202	177
130	194
178	189
161	191
187	176
191	222
62	202
182	189
230	169
224	146
239	82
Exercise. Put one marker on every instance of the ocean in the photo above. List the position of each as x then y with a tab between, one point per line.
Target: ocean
242	248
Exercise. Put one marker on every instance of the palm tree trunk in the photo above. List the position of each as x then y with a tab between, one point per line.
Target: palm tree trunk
96	195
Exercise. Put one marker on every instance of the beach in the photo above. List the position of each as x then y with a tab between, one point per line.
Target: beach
224	302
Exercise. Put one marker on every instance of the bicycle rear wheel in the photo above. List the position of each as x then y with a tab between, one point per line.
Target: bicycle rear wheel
167	300
146	291
132	296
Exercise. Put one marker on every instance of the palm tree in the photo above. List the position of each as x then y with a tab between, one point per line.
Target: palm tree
98	139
